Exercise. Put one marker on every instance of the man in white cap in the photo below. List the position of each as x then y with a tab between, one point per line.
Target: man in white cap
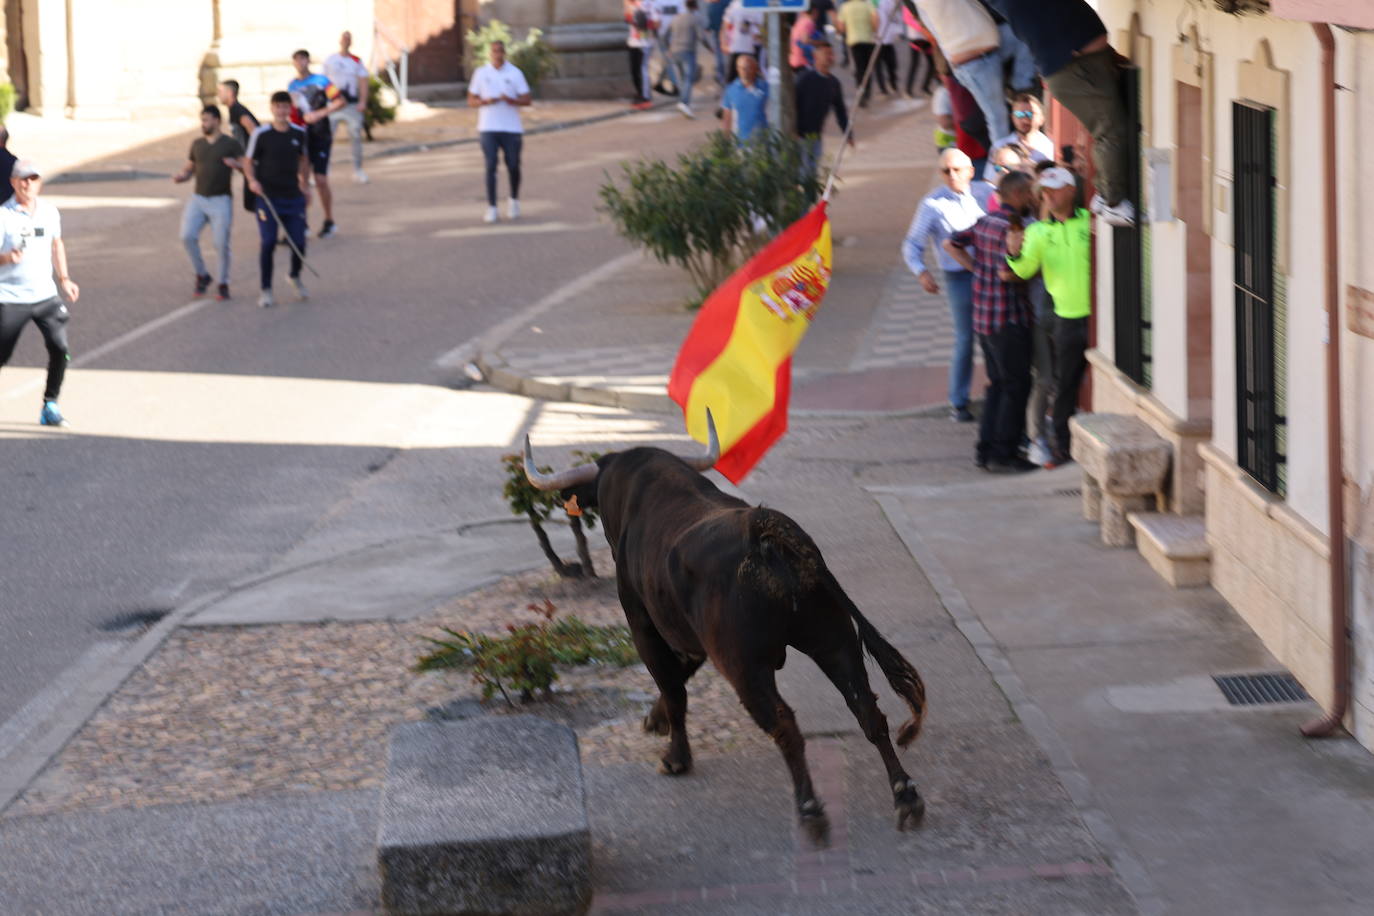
1060	248
31	253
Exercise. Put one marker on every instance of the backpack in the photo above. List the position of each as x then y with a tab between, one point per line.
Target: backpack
640	19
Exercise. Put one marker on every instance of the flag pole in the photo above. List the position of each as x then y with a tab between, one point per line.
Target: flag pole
858	94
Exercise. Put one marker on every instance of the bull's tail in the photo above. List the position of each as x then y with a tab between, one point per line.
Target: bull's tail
900	673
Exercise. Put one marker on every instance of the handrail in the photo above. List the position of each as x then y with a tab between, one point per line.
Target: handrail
400	80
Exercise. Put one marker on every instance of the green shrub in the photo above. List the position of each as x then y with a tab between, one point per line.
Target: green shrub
538	505
8	94
377	111
716	207
531	54
525	660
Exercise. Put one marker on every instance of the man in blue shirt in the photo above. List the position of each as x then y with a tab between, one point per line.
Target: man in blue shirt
31	253
313	99
956	206
744	104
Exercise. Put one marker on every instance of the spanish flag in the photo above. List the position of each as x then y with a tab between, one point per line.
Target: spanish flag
737	359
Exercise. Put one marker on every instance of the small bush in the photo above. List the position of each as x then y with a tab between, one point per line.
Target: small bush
525	660
531	54
377	110
716	207
538	505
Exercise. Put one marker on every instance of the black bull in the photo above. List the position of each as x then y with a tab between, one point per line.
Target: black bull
703	574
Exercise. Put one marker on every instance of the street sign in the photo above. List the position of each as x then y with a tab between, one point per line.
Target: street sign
777	6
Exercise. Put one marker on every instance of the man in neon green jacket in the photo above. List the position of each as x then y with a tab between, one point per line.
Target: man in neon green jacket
1060	248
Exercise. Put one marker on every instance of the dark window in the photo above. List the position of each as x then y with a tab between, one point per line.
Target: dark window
1260	322
1130	250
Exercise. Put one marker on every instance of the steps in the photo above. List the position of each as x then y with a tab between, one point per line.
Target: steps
1175	546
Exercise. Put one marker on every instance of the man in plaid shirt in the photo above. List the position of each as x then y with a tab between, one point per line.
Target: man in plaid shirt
1003	319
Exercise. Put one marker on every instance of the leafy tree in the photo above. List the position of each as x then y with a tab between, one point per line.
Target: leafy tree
718	205
538	505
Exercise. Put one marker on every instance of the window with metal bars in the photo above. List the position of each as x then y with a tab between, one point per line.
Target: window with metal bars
1261	320
1130	253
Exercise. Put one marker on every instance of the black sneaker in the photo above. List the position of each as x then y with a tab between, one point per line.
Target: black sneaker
202	284
1016	465
961	415
327	230
223	292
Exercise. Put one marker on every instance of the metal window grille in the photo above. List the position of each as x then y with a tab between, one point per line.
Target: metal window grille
1132	325
1258	313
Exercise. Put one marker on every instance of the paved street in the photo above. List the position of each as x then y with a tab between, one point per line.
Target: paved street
260	475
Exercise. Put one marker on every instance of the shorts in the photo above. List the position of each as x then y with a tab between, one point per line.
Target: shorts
320	145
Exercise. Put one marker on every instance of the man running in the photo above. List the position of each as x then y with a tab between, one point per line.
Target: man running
345	70
212	161
277	166
314	98
31	252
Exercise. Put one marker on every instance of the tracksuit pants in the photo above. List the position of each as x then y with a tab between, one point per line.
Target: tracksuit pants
51	316
292	213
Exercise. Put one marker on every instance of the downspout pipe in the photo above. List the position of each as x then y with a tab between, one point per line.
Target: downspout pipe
1335	474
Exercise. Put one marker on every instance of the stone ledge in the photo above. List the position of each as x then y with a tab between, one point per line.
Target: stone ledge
484	815
1175	547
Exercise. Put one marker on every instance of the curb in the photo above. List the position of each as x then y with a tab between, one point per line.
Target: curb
129	173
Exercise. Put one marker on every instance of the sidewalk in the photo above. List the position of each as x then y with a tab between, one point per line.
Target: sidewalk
1076	760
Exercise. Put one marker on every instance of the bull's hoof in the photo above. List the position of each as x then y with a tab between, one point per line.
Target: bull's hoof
670	767
911	808
656	723
814	824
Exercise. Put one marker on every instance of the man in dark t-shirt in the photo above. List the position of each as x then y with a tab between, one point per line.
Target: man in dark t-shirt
242	123
212	160
277	166
818	93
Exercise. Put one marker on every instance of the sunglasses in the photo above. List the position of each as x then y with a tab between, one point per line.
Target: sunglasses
1021	113
1001	168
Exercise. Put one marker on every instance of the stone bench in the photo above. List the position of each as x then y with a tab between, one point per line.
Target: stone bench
1175	546
485	815
1124	463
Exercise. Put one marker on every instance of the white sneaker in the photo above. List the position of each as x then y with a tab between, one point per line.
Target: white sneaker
1039	452
301	292
265	300
1123	214
492	216
686	110
361	177
513	209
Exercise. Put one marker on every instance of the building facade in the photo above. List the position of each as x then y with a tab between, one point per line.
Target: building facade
1212	318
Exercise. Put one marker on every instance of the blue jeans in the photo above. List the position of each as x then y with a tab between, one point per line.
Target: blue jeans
982	77
292	213
218	211
685	74
1013	49
507	144
721	76
959	292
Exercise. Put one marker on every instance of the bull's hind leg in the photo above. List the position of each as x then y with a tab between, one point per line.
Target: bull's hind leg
656	722
758	691
842	662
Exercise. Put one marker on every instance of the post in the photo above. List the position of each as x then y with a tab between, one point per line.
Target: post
776	61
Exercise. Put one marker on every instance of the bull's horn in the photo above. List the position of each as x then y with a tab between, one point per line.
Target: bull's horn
707	461
582	473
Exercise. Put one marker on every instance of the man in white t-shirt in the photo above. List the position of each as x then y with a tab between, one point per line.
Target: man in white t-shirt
346	71
31	253
498	89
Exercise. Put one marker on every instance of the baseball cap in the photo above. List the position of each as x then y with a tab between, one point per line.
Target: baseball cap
1057	178
26	168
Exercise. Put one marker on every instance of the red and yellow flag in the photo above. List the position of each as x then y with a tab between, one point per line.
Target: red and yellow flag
737	359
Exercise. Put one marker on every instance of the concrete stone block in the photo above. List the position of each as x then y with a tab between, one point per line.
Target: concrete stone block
1121	453
1116	527
1174	546
542	389
484	815
1092	498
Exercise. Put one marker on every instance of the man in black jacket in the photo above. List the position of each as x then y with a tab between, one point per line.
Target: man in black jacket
818	92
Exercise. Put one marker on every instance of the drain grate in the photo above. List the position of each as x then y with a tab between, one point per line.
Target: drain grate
1072	491
1260	689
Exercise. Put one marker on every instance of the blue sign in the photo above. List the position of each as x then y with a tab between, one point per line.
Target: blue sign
777	6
